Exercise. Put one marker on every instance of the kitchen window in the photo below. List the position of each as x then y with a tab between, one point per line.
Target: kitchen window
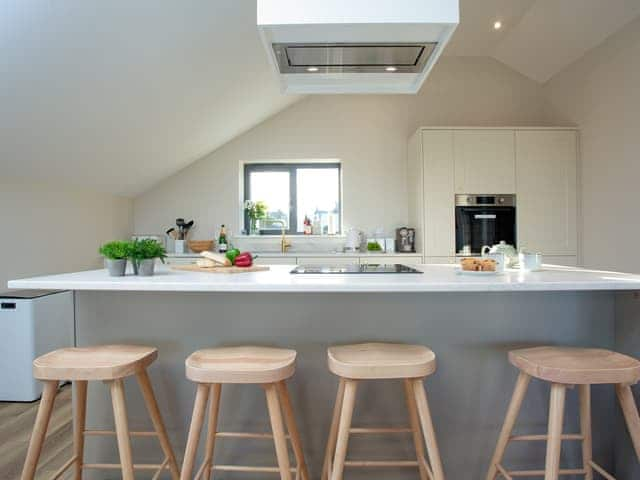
294	192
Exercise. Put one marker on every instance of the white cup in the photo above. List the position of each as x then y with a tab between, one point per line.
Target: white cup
530	262
178	246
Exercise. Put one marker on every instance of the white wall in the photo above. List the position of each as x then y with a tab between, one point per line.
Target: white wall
367	133
52	229
600	93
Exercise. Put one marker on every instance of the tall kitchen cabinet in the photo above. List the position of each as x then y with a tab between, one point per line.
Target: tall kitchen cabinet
547	191
538	165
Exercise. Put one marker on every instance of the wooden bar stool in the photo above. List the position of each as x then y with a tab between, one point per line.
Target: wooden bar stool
564	367
109	363
377	361
266	366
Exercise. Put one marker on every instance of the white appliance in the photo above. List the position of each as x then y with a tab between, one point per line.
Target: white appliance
32	323
355	46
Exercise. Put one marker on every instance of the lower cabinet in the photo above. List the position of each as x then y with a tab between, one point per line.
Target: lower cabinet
440	260
566	260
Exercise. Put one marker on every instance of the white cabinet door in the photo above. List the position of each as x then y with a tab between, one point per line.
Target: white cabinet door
440	260
546	163
568	261
438	187
484	161
332	260
388	259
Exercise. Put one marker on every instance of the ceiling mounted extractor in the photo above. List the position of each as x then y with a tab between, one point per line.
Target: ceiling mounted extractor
355	46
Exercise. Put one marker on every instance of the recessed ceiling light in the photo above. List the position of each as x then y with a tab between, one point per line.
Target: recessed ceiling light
391	69
312	69
497	25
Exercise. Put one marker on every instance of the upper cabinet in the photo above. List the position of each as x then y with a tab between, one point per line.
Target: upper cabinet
484	161
546	166
537	165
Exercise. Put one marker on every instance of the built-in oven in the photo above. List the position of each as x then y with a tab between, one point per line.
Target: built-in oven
484	220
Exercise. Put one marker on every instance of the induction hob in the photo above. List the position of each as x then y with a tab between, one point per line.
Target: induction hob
354	269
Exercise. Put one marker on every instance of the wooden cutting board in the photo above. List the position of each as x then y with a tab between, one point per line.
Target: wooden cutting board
196	268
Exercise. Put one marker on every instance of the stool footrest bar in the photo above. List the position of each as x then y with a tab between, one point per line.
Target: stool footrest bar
375	430
258	436
117	466
601	471
503	472
540	438
541	473
110	433
247	468
64	468
380	463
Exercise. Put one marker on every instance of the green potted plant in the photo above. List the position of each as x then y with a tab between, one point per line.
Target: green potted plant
143	255
255	211
115	257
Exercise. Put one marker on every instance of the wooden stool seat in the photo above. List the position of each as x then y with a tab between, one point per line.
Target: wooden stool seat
243	364
210	369
564	367
579	366
109	363
101	362
381	361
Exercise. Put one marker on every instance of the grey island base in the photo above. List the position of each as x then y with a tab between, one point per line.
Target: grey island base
470	327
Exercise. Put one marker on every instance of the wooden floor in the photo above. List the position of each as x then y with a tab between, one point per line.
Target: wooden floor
16	422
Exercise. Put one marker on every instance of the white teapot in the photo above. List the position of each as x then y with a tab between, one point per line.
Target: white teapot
509	252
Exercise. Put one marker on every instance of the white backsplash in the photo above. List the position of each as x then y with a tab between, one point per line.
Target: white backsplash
299	243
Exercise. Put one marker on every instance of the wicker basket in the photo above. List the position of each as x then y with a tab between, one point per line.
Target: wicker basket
198	246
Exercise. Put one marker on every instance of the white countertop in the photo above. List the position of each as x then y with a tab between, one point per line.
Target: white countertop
295	254
436	278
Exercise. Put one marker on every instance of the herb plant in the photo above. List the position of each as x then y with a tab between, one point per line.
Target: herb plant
145	249
116	250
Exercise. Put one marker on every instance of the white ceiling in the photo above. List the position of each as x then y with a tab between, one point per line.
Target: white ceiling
117	95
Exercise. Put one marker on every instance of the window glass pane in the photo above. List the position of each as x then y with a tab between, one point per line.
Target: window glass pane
318	195
273	189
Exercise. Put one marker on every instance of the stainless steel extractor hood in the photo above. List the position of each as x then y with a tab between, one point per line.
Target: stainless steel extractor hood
333	46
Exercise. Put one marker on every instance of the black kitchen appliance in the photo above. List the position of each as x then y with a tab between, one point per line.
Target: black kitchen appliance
353	269
484	220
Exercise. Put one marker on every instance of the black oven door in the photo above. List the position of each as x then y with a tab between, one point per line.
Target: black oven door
478	226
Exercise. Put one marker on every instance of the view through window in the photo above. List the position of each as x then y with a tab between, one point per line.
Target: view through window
294	194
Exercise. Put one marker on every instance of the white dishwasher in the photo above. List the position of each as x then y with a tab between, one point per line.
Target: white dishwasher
32	322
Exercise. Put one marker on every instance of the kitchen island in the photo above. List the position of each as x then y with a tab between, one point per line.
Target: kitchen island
470	322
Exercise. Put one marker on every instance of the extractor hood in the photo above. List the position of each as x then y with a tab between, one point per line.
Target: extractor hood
355	46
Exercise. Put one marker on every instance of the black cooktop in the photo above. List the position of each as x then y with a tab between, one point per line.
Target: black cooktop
353	269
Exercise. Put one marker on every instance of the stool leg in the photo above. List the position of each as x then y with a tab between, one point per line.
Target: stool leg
290	421
333	433
197	419
348	402
80	415
509	421
631	417
122	428
427	429
584	393
554	440
212	428
277	428
158	424
415	428
39	433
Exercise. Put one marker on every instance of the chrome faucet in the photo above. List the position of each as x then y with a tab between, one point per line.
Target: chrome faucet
284	243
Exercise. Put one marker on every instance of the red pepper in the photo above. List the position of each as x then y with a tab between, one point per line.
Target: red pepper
245	259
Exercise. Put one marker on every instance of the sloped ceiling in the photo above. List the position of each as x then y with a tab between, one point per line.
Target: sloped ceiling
117	95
